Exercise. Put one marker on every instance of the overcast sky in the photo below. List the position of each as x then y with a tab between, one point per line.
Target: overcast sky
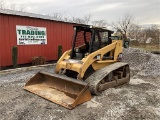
144	11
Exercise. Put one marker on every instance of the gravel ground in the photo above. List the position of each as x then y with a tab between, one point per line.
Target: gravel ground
140	99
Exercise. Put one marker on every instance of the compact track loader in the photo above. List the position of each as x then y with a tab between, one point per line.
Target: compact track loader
90	67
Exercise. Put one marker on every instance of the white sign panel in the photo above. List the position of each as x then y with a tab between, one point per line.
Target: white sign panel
29	35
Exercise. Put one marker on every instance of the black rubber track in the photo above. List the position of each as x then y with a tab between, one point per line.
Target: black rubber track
100	74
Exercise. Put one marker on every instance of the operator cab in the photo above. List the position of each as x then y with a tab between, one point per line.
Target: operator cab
88	39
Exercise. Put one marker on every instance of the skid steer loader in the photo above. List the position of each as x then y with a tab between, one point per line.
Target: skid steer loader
90	67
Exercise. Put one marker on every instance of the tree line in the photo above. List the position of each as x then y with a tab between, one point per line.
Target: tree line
125	25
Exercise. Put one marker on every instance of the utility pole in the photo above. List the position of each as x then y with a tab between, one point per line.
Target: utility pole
159	39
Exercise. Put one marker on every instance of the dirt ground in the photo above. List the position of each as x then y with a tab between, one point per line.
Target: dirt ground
140	99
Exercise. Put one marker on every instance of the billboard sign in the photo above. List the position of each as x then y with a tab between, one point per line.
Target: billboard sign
30	35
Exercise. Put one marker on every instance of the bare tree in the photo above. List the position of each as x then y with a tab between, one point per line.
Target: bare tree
134	31
122	24
78	20
13	6
57	16
99	23
142	34
153	32
21	8
2	4
87	18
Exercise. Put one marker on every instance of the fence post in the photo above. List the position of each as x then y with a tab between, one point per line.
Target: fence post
14	56
59	51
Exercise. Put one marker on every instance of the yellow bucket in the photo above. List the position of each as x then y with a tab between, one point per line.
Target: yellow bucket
59	89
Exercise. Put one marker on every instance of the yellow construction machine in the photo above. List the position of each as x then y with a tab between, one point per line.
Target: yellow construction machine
90	67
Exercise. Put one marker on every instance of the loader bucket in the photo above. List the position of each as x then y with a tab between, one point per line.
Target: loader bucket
59	89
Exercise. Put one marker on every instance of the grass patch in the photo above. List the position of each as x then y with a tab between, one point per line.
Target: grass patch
149	48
